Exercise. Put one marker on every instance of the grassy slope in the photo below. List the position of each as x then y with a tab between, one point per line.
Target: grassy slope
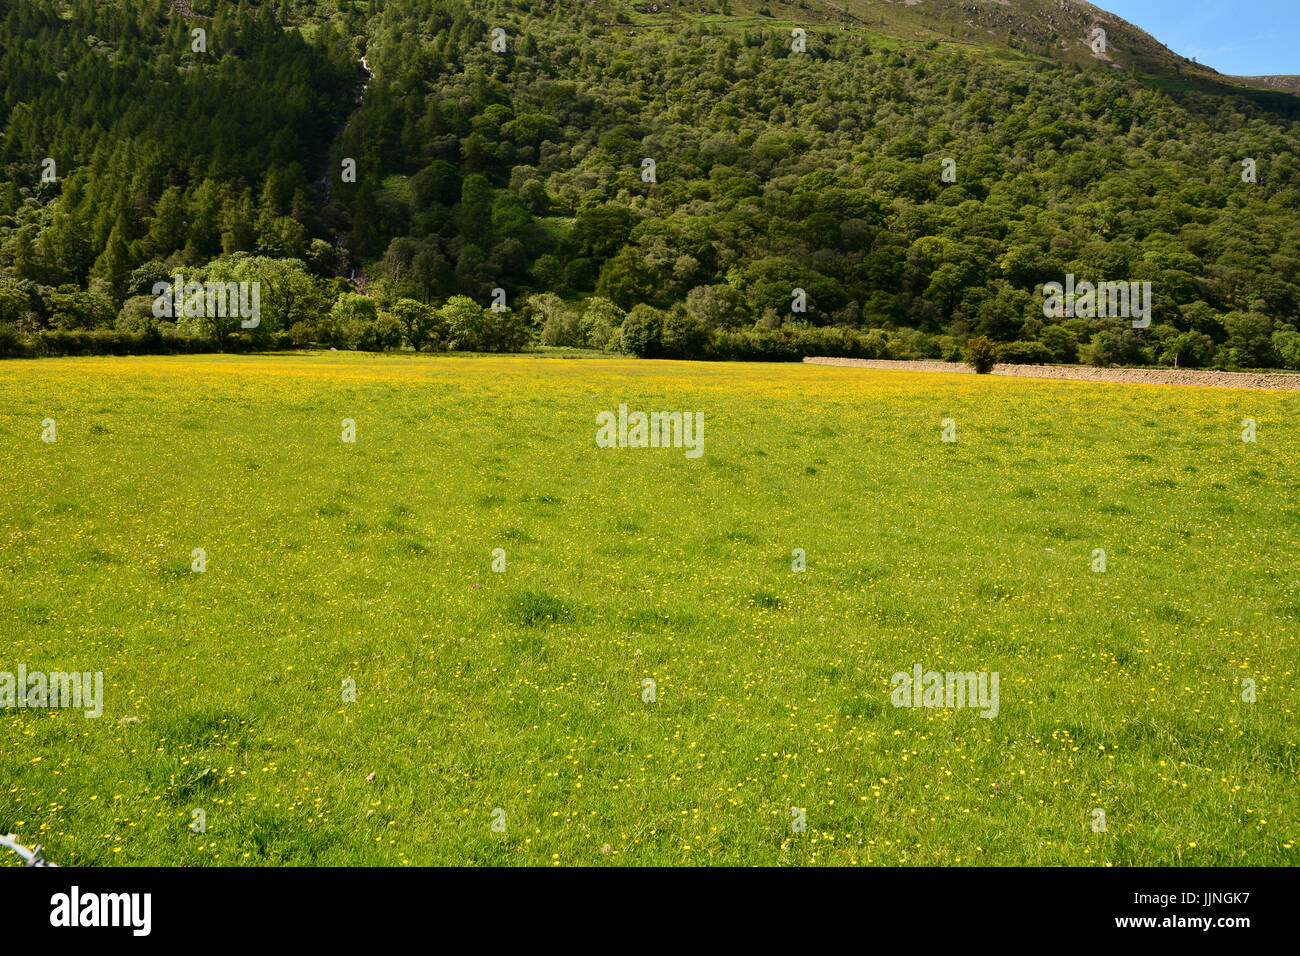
522	690
1014	30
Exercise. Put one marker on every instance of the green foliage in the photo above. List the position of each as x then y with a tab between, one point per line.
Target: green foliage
505	330
718	306
559	324
1250	339
286	293
1196	350
15	304
1021	353
981	354
685	335
1115	346
643	332
1286	343
1060	343
466	322
627	280
351	317
421	325
154	145
601	324
383	333
136	314
72	308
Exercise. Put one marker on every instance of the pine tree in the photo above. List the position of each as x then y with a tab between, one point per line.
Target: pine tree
114	264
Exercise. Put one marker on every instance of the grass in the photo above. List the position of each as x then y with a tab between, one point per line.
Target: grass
523	690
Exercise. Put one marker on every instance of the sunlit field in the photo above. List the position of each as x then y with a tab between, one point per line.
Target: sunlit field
508	717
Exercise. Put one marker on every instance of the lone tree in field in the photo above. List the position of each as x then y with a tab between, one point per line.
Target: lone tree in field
981	353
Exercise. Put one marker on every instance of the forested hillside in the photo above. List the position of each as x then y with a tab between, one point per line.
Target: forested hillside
653	177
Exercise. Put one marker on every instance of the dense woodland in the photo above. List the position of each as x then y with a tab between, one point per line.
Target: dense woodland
522	171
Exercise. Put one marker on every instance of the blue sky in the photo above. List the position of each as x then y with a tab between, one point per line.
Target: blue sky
1241	37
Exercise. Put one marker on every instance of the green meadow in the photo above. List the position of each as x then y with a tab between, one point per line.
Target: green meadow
508	716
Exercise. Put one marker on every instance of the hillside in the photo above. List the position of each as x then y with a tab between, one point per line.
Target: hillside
919	171
1055	30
